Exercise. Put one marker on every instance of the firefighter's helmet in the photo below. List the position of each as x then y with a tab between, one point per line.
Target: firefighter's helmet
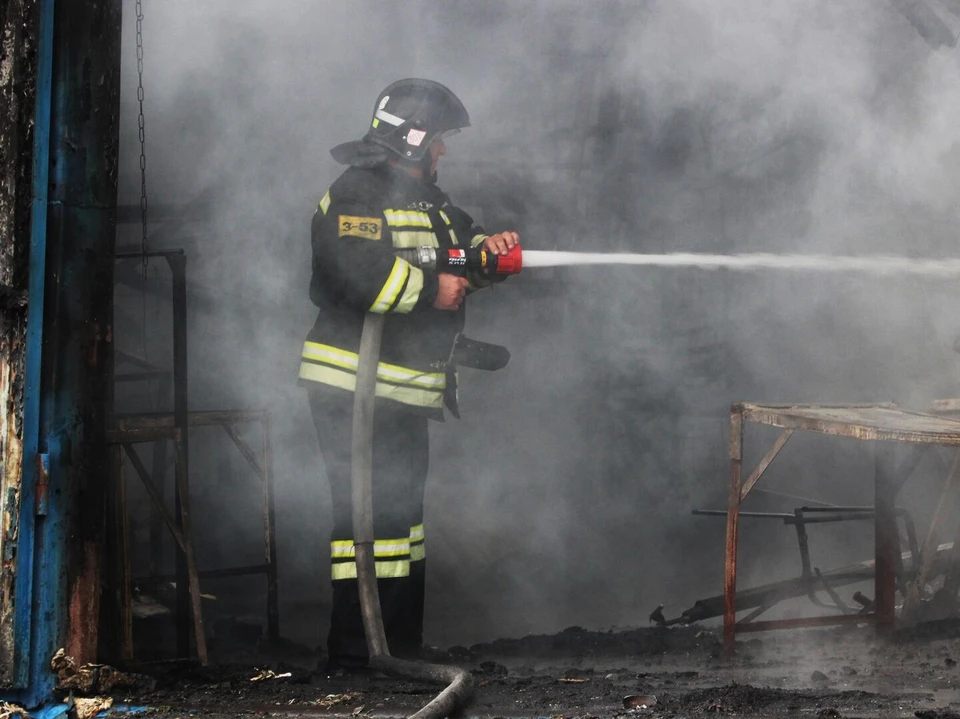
412	113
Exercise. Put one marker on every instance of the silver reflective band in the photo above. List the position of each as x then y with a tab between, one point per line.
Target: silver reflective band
389	118
426	257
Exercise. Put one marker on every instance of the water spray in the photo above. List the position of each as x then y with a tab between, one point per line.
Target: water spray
462	260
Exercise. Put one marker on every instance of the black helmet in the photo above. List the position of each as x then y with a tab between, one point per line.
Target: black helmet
407	117
412	113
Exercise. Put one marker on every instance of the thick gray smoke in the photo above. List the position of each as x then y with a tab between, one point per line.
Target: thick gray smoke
563	496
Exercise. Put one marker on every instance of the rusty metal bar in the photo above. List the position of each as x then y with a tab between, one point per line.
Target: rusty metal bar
270	539
886	538
211	573
245	450
802	542
199	418
802	622
183	492
159	476
765	463
733	517
178	269
138	436
157	498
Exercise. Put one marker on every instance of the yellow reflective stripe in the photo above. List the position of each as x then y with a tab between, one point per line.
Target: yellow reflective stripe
453	236
418	550
408	376
411	293
478	240
343	570
445	218
325	203
413	238
391	288
385	371
391	569
391	548
429	398
330	355
407	218
342	548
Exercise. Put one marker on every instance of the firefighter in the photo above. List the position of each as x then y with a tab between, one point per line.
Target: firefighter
388	199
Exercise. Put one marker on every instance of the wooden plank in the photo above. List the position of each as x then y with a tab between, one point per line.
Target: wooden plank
186	524
206	418
157	498
875	422
245	450
765	463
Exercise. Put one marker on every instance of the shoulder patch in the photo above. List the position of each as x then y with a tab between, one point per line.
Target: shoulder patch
369	228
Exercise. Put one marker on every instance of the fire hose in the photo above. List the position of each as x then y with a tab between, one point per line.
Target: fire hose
459	681
461	261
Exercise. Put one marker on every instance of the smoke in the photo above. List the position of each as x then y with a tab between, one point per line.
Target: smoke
563	496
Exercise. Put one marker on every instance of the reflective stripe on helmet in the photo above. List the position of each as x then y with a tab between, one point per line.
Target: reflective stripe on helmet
389	118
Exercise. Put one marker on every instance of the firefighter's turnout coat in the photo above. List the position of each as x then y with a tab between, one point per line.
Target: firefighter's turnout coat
367	214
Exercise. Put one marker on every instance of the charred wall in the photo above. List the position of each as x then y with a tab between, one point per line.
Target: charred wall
17	89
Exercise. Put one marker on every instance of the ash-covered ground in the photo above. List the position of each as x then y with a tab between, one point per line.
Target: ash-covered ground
844	672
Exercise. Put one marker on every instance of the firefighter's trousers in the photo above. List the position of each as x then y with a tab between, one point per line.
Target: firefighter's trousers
400	463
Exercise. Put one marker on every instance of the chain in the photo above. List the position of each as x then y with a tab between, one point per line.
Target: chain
143	137
141	128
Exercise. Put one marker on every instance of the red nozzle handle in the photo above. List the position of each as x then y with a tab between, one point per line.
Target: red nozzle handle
510	263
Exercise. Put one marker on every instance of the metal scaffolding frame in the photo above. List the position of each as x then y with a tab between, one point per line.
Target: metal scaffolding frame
883	424
128	430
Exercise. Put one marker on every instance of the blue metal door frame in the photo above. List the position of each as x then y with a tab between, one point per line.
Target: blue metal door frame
39	583
71	220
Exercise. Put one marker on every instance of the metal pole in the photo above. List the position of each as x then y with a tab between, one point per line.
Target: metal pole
886	540
733	520
159	474
178	266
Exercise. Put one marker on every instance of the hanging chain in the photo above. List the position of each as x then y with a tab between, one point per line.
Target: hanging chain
141	128
143	137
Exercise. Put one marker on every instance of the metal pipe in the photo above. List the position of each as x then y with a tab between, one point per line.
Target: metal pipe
181	409
459	681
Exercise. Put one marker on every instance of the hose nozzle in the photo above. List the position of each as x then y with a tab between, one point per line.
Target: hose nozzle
461	261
